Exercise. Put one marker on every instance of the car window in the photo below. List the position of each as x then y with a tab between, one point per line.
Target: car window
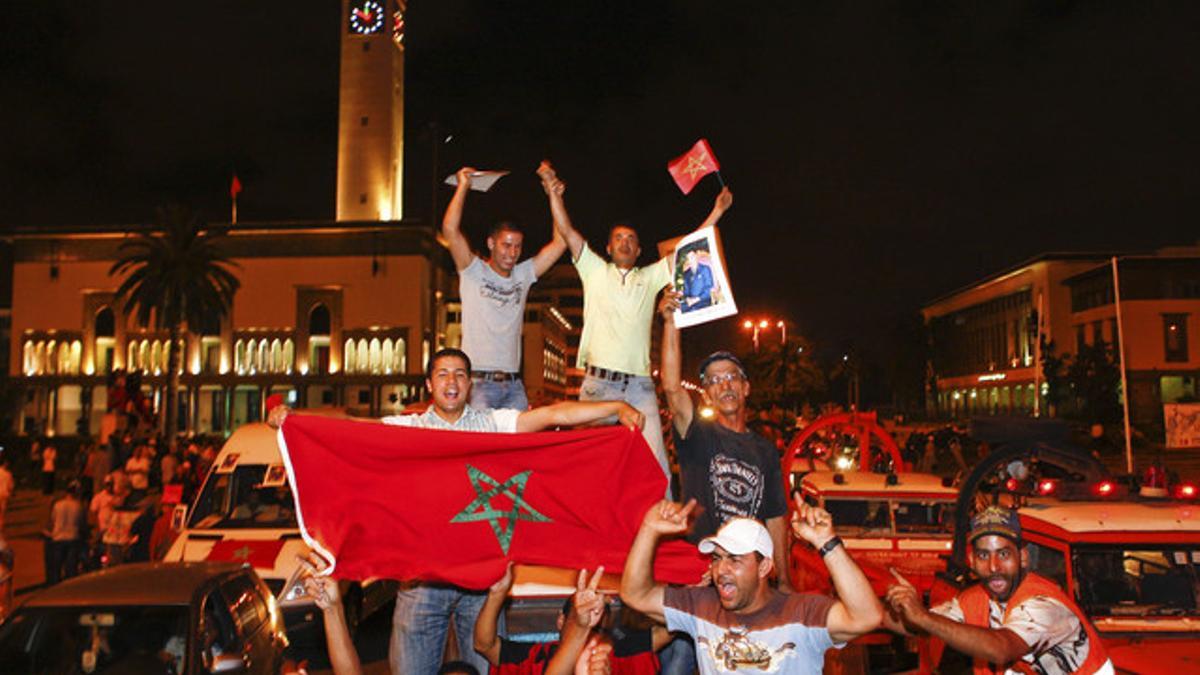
246	604
244	499
860	516
219	634
1048	562
95	639
924	517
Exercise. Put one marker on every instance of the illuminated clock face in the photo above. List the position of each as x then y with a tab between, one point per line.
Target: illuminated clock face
366	17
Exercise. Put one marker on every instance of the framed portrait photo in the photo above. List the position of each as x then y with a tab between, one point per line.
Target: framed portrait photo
700	276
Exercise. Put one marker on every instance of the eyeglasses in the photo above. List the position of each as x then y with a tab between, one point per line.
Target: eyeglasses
723	378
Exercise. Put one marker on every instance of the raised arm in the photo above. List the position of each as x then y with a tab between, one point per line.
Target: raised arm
587	608
678	399
487	641
460	248
720	206
638	589
558	209
324	591
856	611
1000	646
574	413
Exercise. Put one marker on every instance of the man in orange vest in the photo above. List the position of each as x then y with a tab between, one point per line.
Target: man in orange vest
1012	620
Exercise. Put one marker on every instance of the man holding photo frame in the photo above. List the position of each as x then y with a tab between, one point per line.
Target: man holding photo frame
618	307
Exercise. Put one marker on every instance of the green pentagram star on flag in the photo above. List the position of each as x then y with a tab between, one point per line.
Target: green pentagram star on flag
481	508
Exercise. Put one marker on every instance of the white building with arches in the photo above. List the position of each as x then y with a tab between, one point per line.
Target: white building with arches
329	314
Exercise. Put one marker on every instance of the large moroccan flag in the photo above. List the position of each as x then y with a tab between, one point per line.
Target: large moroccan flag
454	506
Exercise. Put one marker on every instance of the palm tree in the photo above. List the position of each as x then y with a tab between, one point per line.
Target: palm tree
177	278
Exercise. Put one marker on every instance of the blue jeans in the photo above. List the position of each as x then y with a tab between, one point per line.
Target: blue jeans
639	393
489	394
679	656
419	625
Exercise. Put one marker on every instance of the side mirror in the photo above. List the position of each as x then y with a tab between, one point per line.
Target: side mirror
179	517
227	663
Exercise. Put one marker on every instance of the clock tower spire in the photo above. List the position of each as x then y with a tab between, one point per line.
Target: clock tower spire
370	164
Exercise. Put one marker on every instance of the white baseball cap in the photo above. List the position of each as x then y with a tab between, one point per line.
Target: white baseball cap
739	536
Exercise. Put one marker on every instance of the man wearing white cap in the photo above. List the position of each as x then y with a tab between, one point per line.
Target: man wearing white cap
741	621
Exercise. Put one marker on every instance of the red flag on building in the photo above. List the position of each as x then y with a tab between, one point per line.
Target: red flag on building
453	507
235	187
259	553
688	168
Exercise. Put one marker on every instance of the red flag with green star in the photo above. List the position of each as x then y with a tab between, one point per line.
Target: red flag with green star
455	506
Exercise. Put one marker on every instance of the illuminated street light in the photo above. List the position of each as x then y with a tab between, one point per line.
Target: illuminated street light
763	324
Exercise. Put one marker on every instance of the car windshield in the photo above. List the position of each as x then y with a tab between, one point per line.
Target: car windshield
1138	579
239	500
926	517
95	641
859	517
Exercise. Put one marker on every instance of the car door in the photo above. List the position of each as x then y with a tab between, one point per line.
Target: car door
253	618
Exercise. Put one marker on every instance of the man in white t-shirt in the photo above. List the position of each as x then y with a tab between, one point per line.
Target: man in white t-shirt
493	293
424	613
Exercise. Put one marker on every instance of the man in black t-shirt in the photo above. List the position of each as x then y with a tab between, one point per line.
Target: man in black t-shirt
729	470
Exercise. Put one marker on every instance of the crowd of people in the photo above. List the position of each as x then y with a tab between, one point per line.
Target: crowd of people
729	498
108	503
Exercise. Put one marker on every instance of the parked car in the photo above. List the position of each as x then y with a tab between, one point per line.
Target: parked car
151	618
245	513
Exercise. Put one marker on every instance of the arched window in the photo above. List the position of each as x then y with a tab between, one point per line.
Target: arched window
131	360
263	362
251	356
289	355
239	357
106	325
376	357
349	356
400	357
276	356
30	358
76	356
387	356
364	356
318	320
152	366
50	357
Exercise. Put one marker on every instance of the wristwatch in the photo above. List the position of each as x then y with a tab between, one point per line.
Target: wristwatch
829	546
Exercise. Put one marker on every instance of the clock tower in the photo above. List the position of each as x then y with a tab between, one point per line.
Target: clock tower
370	164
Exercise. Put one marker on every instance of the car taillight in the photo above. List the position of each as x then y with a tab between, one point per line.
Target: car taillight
1185	491
1047	487
1104	488
1012	484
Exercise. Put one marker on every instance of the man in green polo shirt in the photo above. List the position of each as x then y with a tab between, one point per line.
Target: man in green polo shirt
618	307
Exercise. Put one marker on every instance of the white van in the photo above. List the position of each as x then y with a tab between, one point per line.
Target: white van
245	513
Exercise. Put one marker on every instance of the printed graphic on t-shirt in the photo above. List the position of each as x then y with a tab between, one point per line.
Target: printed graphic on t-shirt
737	487
502	296
737	650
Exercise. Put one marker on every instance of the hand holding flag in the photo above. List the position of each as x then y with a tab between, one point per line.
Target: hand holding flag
693	165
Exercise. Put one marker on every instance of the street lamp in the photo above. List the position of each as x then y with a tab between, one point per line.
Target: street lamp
763	324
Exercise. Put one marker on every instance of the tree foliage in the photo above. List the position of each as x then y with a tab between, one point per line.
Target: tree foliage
177	277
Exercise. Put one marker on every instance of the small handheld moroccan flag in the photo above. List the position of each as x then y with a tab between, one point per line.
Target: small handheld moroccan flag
693	165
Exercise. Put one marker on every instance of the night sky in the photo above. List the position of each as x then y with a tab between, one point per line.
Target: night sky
881	154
